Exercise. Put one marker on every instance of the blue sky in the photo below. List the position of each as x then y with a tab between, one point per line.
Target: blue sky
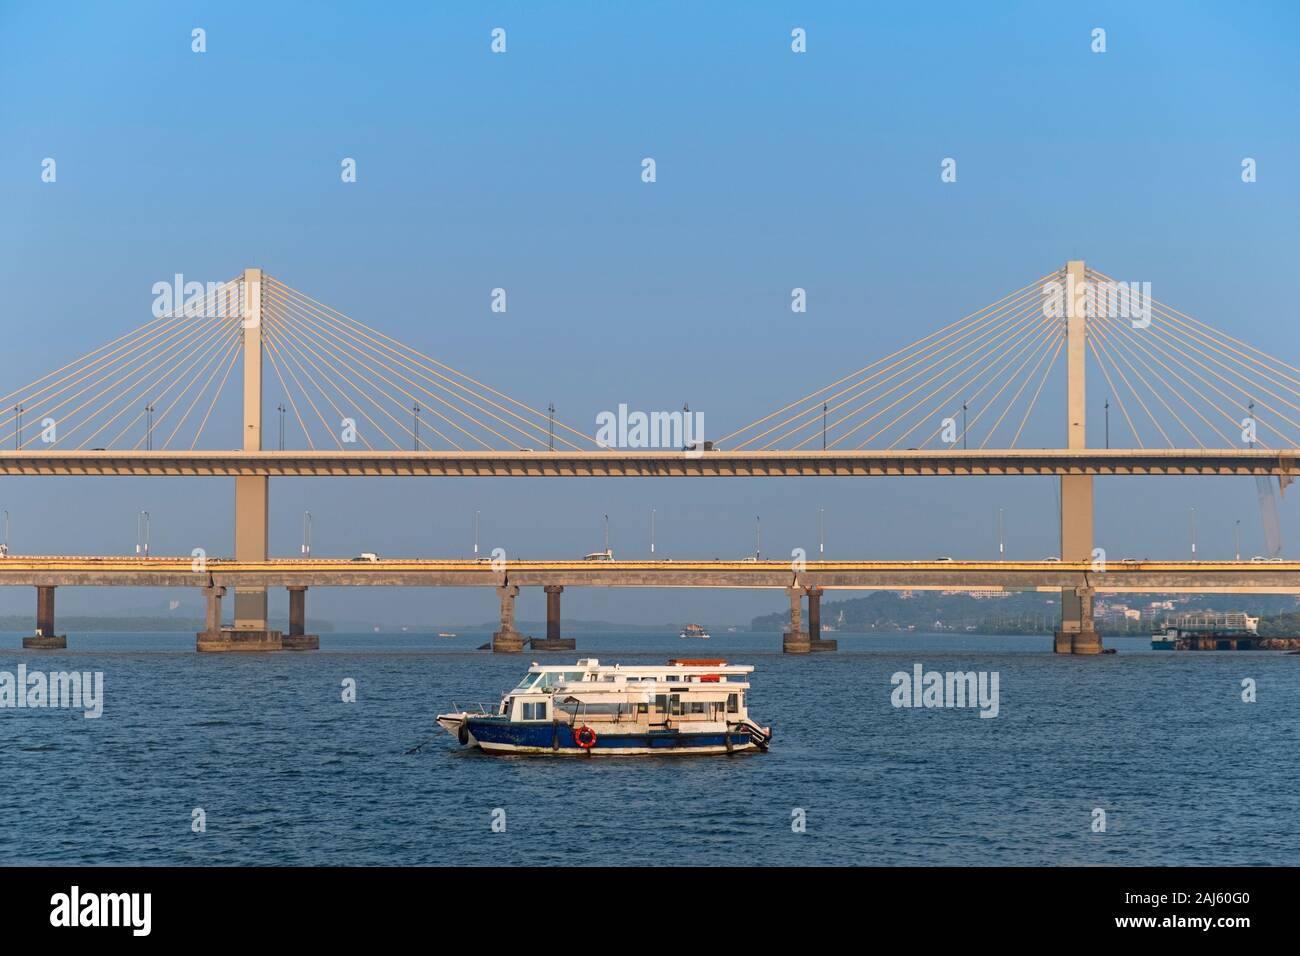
522	171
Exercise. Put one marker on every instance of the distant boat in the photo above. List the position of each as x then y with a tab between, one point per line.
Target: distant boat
696	631
446	634
1165	639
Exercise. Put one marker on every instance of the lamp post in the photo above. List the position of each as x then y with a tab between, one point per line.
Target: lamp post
1001	548
306	534
142	534
1192	515
821	534
758	538
1236	531
476	532
652	532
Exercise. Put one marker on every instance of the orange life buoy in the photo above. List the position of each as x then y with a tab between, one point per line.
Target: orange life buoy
584	737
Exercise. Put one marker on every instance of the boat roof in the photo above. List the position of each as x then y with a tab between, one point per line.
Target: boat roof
604	694
676	666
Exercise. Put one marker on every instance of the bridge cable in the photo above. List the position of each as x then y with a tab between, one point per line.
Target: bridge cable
929	358
821	391
376	355
923	351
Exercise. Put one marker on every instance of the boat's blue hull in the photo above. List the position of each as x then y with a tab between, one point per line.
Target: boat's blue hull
495	735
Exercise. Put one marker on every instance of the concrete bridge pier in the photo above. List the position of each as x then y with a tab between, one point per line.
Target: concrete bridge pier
45	638
296	640
252	492
795	640
553	641
815	640
215	638
1077	635
507	640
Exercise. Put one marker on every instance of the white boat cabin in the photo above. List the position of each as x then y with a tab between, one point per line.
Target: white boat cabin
681	691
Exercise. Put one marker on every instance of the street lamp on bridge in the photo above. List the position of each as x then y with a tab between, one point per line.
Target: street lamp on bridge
306	534
142	534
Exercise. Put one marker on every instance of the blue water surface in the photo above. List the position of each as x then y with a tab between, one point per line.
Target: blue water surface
286	772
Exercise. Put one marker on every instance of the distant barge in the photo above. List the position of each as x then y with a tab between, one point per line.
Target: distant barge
1184	639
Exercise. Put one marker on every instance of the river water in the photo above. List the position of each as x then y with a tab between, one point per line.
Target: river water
286	772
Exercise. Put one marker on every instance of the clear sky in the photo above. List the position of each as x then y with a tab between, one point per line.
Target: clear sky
522	170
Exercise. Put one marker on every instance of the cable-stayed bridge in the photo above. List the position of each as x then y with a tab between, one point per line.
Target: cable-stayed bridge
979	396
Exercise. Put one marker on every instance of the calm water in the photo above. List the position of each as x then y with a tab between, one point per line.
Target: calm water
289	774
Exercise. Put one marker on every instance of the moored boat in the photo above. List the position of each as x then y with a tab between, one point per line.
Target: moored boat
695	630
594	709
1165	639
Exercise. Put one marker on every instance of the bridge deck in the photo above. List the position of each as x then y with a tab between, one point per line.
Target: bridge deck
1119	576
560	464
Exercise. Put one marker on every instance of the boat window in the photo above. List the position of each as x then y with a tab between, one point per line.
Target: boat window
527	682
661	703
552	680
535	711
733	703
675	704
695	707
588	710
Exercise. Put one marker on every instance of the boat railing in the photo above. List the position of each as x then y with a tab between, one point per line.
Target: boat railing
483	710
